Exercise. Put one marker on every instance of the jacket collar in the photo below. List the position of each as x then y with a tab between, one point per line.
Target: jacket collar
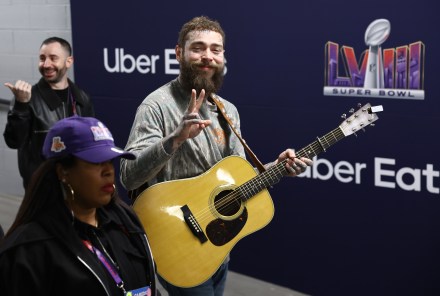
51	98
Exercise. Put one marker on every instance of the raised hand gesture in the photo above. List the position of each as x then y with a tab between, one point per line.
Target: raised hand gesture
191	124
21	90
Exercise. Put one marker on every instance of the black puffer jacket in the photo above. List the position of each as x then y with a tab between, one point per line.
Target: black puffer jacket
28	123
47	257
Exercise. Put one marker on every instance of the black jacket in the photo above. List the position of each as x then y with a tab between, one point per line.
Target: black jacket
28	123
47	257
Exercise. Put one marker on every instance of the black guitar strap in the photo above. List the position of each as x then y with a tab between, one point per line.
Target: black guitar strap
251	154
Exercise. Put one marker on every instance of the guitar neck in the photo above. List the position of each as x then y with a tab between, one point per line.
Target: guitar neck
321	144
274	174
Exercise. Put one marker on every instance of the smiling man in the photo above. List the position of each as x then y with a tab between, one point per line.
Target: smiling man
38	107
179	132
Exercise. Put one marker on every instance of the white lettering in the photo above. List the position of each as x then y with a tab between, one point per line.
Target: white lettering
145	61
406	178
126	63
414	173
430	174
171	61
123	58
344	171
344	167
320	162
116	66
385	174
378	172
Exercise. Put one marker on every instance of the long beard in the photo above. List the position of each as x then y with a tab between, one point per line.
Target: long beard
192	78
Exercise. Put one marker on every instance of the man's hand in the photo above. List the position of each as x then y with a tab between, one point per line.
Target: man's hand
294	165
21	90
191	124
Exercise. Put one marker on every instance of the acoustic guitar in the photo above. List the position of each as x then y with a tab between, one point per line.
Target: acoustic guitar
192	224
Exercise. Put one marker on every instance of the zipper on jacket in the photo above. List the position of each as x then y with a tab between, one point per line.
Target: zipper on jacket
97	277
152	265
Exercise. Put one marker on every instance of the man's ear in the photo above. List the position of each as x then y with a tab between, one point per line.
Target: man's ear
179	53
69	61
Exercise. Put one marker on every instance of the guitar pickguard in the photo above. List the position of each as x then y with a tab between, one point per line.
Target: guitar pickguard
220	232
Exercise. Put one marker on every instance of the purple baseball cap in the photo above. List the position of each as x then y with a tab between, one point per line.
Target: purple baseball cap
84	137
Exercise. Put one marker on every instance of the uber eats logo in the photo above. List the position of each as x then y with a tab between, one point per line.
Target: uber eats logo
120	61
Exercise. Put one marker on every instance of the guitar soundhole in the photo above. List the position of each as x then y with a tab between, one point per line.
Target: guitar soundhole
227	203
231	216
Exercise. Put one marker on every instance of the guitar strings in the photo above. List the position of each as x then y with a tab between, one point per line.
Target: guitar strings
252	187
234	198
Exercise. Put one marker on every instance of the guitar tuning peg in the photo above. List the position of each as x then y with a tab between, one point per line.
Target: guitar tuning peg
355	134
359	105
344	116
351	110
363	129
372	124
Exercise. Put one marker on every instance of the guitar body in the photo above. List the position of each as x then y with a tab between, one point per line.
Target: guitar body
186	256
192	224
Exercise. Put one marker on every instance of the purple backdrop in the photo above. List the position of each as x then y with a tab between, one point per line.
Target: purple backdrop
365	220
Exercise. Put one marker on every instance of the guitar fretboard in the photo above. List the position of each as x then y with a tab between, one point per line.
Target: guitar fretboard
274	174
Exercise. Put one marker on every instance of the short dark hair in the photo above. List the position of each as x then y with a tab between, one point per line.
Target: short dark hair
200	23
64	43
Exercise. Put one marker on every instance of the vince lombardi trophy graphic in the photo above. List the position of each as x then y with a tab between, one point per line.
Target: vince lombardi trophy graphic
376	34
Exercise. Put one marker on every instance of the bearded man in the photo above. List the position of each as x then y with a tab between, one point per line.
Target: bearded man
36	108
178	131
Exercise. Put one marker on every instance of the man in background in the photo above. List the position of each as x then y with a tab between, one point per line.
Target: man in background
36	108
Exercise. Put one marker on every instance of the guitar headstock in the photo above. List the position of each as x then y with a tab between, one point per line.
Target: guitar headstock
363	117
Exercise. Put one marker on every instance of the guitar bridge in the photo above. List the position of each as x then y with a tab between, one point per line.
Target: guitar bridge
193	225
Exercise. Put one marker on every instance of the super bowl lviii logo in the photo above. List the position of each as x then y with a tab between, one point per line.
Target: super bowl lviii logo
383	73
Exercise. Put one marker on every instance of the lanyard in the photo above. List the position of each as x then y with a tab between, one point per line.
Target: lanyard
109	266
72	101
